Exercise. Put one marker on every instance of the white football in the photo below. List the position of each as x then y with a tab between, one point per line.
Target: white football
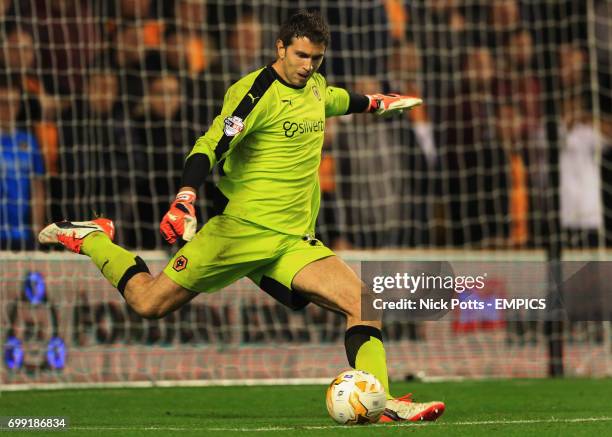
356	397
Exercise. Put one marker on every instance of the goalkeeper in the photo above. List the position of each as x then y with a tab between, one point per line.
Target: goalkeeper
267	142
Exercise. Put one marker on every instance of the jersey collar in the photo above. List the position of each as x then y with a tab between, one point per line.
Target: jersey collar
281	80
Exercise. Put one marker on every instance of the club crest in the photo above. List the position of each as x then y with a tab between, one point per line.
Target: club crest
315	91
180	263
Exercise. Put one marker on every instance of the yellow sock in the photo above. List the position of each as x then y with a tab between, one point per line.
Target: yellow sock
116	264
365	351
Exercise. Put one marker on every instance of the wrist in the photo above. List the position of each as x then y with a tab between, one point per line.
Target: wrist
186	196
373	103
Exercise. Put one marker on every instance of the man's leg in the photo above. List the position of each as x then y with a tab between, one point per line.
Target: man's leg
329	282
150	297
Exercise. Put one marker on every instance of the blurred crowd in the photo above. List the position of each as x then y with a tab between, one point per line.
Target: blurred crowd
100	101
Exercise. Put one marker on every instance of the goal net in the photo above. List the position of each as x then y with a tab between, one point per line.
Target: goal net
101	101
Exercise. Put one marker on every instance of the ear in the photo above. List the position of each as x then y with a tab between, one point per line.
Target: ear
281	50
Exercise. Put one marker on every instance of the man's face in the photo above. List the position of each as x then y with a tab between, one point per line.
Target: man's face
480	68
4	6
191	14
521	48
405	63
245	40
165	96
101	91
130	45
505	14
18	50
571	65
135	8
300	59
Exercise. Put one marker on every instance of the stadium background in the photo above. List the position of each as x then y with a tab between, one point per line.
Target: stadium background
507	161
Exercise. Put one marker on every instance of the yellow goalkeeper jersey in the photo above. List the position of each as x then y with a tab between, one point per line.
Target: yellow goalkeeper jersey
268	141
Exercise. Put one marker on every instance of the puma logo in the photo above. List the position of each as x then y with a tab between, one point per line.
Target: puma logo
252	97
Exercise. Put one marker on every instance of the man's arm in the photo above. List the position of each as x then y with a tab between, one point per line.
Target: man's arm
239	115
381	104
196	169
358	103
341	102
180	220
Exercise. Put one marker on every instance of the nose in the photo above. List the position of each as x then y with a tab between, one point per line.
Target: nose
309	64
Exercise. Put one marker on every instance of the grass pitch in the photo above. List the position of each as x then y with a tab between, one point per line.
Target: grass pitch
500	407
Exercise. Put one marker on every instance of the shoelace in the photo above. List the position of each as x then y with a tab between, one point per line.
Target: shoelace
405	398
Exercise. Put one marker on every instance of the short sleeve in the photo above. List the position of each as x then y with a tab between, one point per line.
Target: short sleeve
336	101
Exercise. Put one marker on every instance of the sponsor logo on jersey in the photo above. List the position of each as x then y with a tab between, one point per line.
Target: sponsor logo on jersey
233	126
291	127
315	91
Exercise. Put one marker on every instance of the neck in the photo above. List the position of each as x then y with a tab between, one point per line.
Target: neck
279	70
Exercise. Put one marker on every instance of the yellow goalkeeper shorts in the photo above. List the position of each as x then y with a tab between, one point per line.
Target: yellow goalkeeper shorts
228	248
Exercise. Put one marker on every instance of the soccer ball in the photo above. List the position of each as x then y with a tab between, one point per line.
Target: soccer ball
356	397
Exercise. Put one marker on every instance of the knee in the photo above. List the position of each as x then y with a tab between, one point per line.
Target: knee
352	309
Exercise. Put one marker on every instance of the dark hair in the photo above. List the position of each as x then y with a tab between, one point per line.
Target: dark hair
305	24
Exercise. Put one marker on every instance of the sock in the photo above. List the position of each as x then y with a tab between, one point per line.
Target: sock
116	264
365	351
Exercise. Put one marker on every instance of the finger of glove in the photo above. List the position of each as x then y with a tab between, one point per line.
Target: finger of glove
173	222
175	219
187	208
167	233
191	224
389	112
405	103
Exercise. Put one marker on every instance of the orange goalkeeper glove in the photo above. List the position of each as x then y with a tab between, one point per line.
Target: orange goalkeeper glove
180	220
391	104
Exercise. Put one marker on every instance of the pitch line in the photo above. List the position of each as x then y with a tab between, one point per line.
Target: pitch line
324	427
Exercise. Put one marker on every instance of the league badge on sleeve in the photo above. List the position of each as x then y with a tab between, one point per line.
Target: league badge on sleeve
233	126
